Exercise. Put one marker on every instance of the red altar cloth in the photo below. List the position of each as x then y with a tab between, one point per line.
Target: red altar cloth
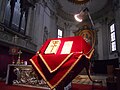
54	68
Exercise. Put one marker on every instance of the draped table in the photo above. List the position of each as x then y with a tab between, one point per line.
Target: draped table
60	60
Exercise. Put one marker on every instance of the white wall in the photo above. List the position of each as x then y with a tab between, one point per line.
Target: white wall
40	18
100	42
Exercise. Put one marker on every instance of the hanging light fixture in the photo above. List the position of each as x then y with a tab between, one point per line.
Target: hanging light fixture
80	16
79	1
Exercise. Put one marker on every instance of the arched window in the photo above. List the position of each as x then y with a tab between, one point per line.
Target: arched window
113	46
60	33
12	13
16	15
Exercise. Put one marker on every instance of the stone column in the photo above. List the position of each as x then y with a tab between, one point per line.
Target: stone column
24	9
3	4
117	20
37	19
12	6
29	23
67	27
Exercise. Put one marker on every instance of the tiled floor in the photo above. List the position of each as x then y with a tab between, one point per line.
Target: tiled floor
84	79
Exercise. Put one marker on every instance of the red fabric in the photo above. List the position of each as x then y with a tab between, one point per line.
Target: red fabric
78	45
54	67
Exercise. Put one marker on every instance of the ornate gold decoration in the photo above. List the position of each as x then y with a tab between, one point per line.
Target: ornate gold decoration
26	76
53	47
88	35
79	1
19	54
13	51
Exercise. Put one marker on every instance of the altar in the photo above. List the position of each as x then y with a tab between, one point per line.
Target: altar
24	75
60	60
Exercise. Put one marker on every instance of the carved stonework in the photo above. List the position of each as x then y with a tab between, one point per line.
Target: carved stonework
5	37
27	76
64	15
8	38
24	75
1	28
116	4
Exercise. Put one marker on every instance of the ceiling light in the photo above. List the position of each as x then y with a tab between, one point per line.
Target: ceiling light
79	17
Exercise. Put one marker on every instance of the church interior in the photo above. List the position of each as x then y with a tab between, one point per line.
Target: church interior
60	44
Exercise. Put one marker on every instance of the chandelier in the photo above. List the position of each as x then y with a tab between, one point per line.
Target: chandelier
79	1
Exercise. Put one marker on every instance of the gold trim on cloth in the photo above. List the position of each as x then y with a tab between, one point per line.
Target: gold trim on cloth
50	70
90	54
69	69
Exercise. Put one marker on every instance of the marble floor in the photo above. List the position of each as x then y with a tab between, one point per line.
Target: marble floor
84	79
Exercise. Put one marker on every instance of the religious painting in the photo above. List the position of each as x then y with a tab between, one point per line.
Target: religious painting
88	35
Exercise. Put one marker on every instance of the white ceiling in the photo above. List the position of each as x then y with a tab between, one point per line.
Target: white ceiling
93	6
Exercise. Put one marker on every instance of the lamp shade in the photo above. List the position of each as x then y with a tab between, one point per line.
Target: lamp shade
79	17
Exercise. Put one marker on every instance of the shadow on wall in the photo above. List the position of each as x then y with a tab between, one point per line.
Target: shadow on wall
100	66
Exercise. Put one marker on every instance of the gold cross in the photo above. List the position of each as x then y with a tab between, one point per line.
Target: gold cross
54	44
19	53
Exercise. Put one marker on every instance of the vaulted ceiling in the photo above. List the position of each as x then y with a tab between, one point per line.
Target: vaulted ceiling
97	8
93	6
